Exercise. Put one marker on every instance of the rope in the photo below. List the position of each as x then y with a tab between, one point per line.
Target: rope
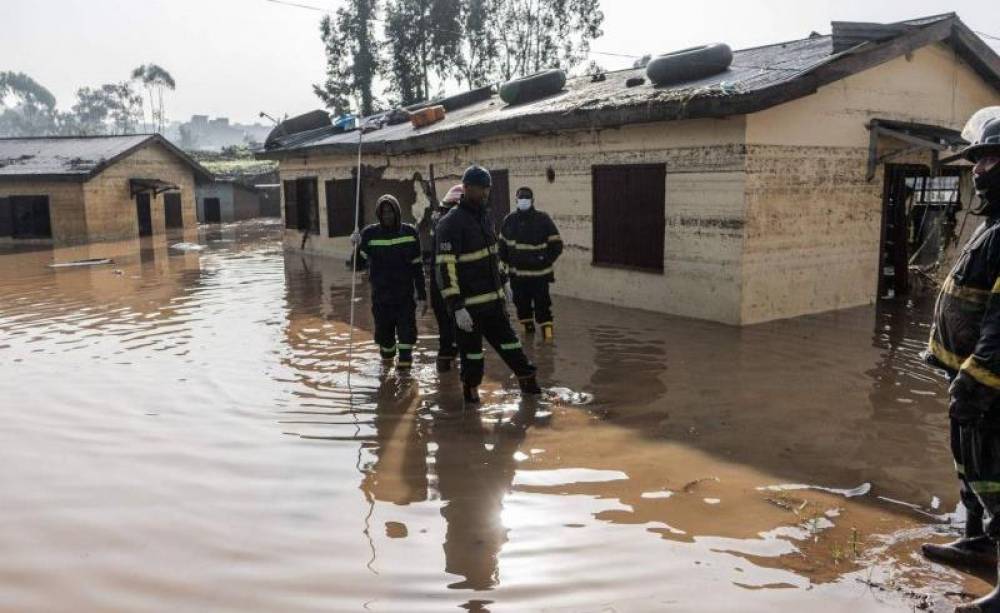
354	260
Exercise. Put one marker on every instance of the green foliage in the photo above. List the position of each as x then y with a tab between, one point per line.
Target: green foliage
353	57
424	40
25	89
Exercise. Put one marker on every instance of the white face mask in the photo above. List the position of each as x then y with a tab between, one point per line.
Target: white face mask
523	204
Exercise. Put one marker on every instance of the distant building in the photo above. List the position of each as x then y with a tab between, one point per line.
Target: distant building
74	190
204	134
773	189
226	199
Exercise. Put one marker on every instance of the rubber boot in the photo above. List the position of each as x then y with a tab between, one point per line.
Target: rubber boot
974	550
529	385
529	327
444	364
470	394
989	603
548	333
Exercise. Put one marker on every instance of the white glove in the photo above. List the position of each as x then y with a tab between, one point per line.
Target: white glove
463	320
422	305
508	293
356	238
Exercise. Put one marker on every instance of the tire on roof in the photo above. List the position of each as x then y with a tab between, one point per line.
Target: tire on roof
689	64
533	87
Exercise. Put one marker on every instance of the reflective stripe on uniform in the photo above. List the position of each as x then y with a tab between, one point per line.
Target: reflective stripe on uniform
363	254
981	374
947	358
417	260
403	347
960	469
450	291
511	346
484	298
555	238
474	356
969	294
389	242
985	487
531	273
444	258
475	256
996	286
527	246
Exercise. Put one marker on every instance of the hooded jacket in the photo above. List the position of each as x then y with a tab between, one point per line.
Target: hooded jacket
965	334
467	264
530	245
395	266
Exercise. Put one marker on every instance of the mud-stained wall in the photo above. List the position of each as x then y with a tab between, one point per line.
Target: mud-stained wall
704	205
111	212
813	221
66	210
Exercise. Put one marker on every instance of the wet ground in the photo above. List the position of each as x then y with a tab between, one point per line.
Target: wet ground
178	434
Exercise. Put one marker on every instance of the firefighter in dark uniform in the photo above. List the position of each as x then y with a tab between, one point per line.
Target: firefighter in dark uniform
447	336
391	250
529	246
475	288
965	342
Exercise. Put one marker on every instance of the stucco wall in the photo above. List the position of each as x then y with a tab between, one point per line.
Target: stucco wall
222	191
111	212
813	221
66	210
704	205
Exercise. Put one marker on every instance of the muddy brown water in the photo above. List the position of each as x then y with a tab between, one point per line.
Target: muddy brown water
178	434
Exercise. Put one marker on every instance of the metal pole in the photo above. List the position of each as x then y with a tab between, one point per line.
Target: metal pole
354	254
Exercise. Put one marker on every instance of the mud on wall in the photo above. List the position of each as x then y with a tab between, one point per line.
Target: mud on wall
704	205
813	219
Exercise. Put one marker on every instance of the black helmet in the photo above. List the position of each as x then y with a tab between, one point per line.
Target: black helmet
987	143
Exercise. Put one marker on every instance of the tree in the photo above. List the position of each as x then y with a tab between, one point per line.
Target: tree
91	111
124	106
480	47
424	39
154	78
32	112
25	89
534	35
353	57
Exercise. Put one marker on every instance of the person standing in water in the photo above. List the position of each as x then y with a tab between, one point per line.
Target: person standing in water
391	250
529	246
447	336
965	343
475	288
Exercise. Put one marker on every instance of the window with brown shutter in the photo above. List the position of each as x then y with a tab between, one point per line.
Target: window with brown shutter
340	205
629	203
302	205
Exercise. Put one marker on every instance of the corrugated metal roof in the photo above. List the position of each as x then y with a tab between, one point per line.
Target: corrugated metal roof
759	78
78	156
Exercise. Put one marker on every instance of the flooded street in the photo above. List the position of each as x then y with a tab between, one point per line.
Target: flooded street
178	434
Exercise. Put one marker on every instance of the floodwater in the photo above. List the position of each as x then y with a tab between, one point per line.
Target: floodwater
178	434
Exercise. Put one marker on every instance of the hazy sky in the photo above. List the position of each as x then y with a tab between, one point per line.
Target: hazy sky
238	57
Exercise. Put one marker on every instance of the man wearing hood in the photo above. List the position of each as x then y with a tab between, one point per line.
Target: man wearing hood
475	287
529	246
965	343
391	250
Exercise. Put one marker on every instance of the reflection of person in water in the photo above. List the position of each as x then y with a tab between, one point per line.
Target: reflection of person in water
399	475
473	481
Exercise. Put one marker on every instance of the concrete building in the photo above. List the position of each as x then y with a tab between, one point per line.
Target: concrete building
226	200
770	190
75	190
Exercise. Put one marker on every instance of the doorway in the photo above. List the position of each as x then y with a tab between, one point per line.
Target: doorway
213	210
172	210
918	222
144	214
499	205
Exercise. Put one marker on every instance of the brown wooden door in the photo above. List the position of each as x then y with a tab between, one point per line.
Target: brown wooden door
340	205
499	205
172	210
629	215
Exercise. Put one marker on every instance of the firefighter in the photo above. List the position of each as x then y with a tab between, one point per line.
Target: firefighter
965	343
391	250
475	288
447	339
529	245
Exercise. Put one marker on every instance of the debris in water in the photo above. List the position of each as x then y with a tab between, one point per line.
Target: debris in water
187	247
862	490
689	487
76	263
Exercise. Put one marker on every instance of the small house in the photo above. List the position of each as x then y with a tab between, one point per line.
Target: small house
782	185
76	190
228	199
